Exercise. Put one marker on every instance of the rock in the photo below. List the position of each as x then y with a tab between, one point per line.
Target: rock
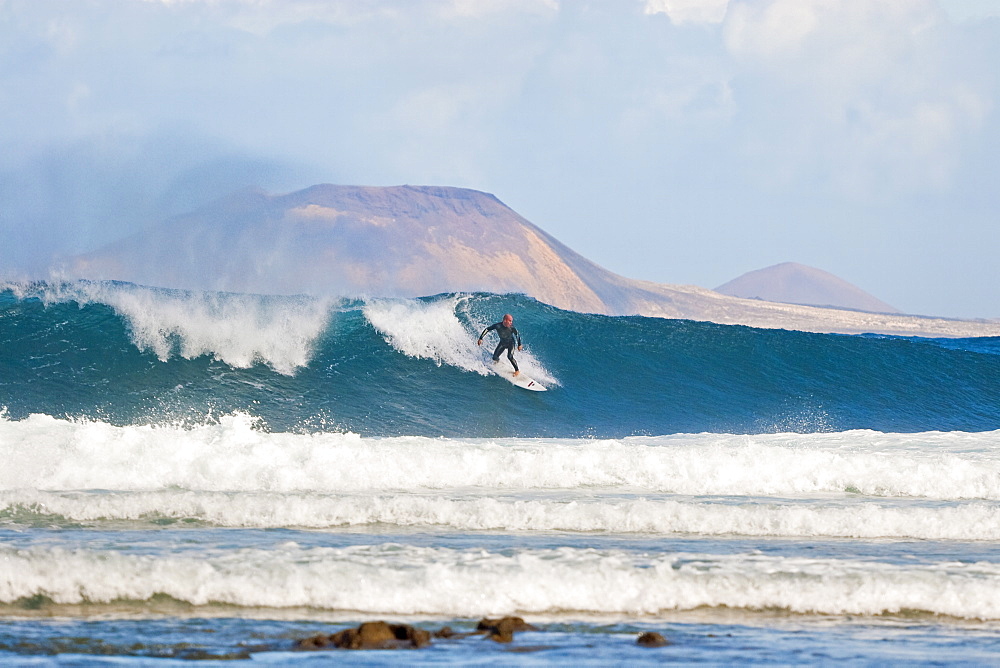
381	635
516	623
320	641
502	630
371	635
417	637
651	639
445	632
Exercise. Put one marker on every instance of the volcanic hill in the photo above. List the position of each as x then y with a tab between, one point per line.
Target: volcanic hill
795	283
411	241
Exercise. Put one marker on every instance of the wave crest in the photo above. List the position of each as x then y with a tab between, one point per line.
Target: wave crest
238	329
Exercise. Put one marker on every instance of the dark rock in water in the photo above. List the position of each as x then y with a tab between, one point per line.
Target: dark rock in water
502	630
371	635
417	637
445	632
651	639
516	624
380	635
321	641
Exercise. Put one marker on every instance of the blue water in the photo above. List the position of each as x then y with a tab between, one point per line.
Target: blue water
616	376
213	476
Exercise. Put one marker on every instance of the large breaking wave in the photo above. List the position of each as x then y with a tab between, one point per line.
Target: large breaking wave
132	355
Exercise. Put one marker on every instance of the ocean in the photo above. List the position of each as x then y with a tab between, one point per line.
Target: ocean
213	477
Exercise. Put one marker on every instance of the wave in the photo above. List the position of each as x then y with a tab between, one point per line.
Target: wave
42	452
240	330
593	512
863	484
132	355
405	579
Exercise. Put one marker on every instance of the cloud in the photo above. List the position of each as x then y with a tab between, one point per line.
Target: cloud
479	8
971	10
73	196
263	16
707	134
862	95
689	11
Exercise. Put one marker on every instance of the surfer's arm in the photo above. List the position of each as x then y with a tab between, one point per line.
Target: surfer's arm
518	335
480	341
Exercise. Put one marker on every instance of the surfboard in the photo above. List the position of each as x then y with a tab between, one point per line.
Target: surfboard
502	368
522	380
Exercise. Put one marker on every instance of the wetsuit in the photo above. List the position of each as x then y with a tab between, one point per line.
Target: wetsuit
507	337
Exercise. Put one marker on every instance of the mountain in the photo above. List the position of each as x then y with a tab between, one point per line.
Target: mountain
795	283
410	241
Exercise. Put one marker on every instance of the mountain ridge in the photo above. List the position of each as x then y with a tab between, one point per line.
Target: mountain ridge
412	241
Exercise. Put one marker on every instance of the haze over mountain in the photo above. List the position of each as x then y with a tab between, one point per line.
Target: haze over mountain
410	241
795	283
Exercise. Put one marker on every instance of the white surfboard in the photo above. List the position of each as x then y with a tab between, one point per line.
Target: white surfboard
522	380
503	369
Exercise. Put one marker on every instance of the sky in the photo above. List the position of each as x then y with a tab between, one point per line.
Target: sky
676	141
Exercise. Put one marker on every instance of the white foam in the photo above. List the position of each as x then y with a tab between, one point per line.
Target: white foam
431	329
42	452
426	330
403	579
240	330
573	512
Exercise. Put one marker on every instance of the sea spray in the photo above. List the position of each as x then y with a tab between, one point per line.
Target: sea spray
440	330
238	329
426	330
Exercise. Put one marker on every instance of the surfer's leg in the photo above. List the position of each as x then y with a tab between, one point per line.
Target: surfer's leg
510	356
496	353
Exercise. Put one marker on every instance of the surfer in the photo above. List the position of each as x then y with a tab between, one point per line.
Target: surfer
508	333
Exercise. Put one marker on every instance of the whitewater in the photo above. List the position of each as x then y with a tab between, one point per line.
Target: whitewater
214	475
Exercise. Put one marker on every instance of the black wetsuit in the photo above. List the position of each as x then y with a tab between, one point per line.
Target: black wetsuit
507	337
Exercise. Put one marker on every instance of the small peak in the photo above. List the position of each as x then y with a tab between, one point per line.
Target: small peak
795	283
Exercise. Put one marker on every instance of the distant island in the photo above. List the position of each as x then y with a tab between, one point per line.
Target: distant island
413	241
794	283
